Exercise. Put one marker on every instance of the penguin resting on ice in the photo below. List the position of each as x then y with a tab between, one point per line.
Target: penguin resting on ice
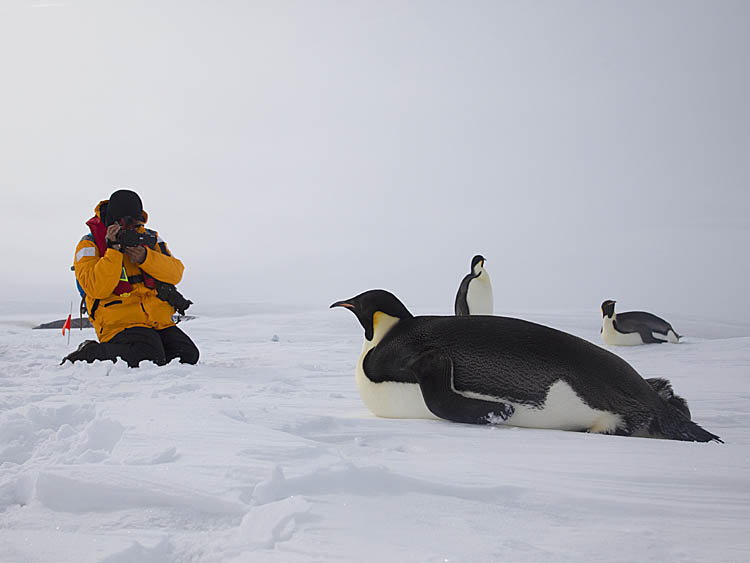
474	295
634	328
499	370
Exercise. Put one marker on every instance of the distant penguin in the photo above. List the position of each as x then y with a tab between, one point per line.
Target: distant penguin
634	328
499	370
474	295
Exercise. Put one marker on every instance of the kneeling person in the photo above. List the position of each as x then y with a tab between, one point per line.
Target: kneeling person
128	274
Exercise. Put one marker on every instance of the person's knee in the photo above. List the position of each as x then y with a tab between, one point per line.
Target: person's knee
177	344
141	344
134	359
189	354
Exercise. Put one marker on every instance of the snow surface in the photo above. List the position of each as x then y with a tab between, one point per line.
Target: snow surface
265	452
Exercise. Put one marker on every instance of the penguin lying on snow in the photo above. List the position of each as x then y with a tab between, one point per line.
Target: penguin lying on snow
498	370
474	295
634	328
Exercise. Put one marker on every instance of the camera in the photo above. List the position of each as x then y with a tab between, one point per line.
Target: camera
128	237
128	234
167	292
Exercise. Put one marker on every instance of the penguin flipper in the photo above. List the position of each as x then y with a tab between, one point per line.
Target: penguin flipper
434	372
648	337
460	307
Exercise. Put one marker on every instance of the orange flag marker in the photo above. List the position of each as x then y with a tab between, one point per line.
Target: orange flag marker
66	326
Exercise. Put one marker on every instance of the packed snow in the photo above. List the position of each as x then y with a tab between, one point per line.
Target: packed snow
264	452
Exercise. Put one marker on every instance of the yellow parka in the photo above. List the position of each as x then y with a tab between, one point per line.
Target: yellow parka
99	276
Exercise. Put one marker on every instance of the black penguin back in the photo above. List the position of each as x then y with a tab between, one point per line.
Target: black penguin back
511	359
632	321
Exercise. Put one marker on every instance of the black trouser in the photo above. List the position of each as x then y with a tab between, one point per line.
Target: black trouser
140	343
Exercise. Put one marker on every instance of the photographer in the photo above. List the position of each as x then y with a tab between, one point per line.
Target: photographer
129	277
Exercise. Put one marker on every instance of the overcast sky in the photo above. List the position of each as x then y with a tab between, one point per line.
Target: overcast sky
302	152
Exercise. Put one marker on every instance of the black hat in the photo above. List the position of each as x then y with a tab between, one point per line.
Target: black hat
123	203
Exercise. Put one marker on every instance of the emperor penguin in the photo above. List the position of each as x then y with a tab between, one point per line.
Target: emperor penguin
634	328
474	295
499	370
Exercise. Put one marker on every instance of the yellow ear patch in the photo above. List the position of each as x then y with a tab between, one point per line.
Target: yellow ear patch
376	318
381	324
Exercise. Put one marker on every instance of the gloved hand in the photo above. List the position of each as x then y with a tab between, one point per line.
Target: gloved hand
136	253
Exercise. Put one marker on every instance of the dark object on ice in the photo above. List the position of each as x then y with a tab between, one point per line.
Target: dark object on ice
74	323
634	327
499	370
137	344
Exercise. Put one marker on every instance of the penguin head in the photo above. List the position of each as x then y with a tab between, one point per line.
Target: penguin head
375	308
608	308
477	263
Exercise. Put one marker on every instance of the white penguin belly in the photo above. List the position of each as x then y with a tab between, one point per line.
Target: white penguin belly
479	296
563	409
614	338
390	399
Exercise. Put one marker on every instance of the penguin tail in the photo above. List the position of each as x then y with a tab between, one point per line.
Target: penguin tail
673	422
664	389
673	425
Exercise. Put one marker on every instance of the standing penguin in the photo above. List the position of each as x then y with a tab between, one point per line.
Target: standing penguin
634	328
499	370
474	295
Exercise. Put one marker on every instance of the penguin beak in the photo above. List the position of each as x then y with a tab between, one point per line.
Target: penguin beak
342	304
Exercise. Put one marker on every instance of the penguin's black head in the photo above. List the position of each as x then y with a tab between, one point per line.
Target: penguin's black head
478	259
368	304
608	308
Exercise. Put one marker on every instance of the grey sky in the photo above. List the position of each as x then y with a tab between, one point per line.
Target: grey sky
303	152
